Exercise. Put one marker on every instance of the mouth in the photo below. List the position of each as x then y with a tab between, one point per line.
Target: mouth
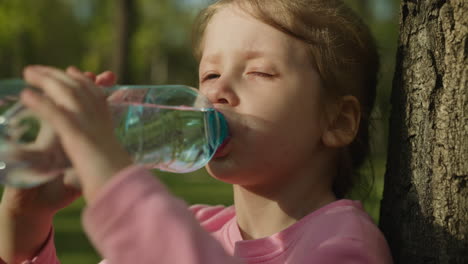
224	149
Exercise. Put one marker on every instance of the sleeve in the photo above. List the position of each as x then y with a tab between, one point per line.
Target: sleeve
346	251
136	220
46	255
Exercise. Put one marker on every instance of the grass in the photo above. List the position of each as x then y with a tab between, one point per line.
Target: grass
73	246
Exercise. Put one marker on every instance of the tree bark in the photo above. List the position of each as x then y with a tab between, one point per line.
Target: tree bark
424	213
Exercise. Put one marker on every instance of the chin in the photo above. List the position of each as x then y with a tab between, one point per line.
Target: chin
223	170
229	171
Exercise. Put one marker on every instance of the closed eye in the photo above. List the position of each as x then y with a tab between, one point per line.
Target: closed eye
262	74
210	76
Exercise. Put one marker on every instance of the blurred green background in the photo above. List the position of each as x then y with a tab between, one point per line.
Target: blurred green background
148	42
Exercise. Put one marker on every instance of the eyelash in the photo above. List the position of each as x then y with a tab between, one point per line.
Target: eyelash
262	74
212	76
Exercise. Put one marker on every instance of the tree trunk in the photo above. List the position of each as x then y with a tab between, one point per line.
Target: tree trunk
424	213
125	21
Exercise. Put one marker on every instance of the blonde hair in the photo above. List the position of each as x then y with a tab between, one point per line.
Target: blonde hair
342	50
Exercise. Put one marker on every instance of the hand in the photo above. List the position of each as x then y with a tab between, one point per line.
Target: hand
47	199
45	151
78	112
26	214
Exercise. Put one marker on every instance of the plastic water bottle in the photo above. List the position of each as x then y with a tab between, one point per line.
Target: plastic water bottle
168	127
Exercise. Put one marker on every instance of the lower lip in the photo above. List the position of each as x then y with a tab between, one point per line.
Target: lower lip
223	150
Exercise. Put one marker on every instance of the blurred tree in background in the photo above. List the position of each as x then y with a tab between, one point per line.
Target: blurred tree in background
148	41
38	32
382	18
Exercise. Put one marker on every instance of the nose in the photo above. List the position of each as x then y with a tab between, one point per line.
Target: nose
221	92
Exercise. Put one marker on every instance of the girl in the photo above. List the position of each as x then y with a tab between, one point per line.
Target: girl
296	81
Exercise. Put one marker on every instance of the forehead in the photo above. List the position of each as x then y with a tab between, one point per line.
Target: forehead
233	30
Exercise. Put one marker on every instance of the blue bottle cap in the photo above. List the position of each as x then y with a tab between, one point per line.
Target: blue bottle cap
223	128
218	129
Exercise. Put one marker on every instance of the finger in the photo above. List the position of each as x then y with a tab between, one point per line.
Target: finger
106	78
87	85
117	96
59	87
62	121
55	73
79	76
91	76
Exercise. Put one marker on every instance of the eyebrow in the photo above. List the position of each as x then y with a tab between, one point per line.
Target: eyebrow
249	55
253	54
212	58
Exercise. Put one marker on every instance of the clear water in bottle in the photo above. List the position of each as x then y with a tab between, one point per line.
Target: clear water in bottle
168	127
170	138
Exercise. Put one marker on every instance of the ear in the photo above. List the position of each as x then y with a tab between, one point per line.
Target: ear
343	123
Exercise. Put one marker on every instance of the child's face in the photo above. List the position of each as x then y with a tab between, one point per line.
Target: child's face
264	83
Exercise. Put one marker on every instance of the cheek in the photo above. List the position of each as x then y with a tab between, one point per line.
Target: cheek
276	139
279	115
282	124
269	108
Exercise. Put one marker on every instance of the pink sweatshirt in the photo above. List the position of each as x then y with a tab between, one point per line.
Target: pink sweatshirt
136	220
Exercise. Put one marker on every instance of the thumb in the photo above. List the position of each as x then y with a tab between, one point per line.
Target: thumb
71	179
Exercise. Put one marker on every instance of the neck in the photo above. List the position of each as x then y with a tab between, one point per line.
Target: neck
266	210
